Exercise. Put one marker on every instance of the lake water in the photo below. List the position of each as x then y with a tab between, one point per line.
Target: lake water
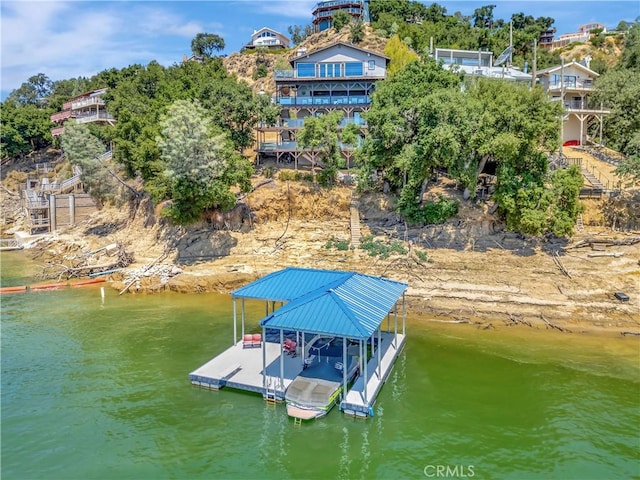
94	390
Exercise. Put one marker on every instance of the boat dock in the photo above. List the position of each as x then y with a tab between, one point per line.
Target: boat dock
240	368
348	307
355	403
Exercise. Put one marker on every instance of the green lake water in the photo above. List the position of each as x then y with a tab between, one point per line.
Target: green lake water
100	390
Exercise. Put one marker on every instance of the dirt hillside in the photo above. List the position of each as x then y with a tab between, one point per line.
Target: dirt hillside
467	270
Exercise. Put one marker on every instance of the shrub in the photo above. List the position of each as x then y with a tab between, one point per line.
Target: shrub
377	248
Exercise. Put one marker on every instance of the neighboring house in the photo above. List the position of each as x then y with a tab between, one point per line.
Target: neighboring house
86	108
582	35
572	85
324	11
337	77
587	27
267	38
545	40
478	63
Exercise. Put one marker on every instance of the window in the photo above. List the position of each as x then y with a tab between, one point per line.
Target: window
306	70
329	70
353	69
372	64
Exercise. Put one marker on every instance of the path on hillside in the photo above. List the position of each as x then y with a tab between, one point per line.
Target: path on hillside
598	174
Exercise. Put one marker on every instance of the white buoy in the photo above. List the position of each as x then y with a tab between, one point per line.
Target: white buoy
102	294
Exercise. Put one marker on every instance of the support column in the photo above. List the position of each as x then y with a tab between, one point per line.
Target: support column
366	376
282	359
379	353
72	209
344	368
235	321
52	213
395	327
404	315
264	357
242	318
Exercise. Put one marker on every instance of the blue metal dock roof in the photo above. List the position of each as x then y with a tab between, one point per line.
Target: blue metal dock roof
352	305
285	285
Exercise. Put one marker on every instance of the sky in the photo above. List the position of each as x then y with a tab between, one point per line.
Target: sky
66	39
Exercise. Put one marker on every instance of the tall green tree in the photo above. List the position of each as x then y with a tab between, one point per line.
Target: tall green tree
83	149
205	44
201	165
341	19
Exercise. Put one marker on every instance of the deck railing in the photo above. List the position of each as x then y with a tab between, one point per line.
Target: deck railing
326	101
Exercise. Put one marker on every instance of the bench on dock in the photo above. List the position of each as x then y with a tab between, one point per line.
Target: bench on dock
251	340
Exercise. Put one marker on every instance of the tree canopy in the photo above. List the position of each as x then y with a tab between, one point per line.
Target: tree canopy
421	120
205	44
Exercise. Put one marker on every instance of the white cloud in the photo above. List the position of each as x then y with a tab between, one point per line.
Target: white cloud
70	39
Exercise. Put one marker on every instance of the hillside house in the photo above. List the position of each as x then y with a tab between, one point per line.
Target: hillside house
86	108
572	85
324	12
340	76
267	38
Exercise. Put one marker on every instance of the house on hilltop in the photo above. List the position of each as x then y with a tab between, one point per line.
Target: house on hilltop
572	85
86	108
267	38
339	76
324	12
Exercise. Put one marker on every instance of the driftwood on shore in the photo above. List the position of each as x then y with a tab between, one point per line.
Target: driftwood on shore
106	258
553	325
590	242
556	260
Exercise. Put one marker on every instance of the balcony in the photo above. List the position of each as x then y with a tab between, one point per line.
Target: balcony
94	117
290	147
584	85
583	106
86	102
325	101
299	123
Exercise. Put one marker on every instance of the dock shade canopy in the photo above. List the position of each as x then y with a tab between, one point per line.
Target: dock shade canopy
333	303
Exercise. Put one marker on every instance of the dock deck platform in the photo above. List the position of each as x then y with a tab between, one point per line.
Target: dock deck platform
241	368
355	403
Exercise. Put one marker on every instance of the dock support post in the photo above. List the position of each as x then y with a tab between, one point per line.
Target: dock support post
304	354
235	321
395	328
344	368
379	353
366	377
404	314
242	305
264	358
388	322
281	359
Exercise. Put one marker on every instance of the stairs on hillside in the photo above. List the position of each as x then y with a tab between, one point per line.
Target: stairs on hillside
355	224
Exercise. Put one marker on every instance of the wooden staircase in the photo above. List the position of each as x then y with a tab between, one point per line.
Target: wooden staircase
355	224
